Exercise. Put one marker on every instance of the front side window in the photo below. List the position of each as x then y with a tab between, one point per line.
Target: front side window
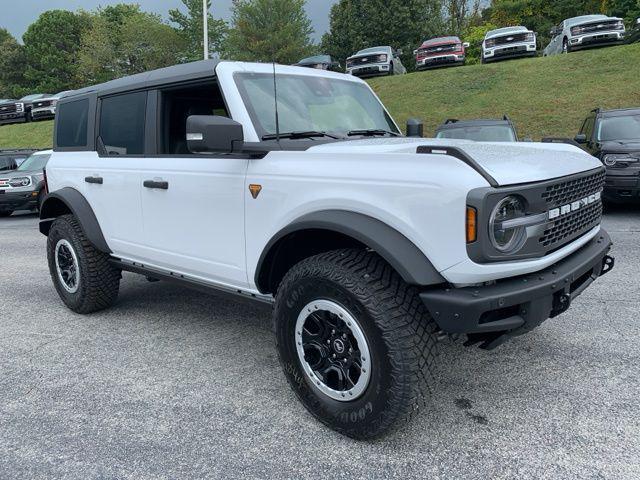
122	120
71	123
492	133
621	128
310	103
7	163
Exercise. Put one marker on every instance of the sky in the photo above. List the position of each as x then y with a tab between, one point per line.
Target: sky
18	15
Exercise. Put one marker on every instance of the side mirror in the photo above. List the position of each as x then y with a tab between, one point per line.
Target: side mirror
415	128
399	52
527	139
581	138
466	44
552	32
638	21
213	134
415	52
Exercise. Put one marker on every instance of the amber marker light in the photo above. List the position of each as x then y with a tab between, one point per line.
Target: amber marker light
472	224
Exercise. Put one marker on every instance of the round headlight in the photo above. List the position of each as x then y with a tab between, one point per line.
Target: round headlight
506	238
20	182
610	160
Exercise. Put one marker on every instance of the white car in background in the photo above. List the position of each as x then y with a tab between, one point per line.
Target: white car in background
509	42
376	61
45	108
585	31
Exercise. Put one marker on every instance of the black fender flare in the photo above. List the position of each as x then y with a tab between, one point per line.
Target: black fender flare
74	202
400	252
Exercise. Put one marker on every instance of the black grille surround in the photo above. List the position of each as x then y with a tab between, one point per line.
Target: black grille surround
515	38
579	194
606	26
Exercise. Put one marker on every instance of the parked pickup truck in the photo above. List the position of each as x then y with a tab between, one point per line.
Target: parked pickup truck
369	245
583	32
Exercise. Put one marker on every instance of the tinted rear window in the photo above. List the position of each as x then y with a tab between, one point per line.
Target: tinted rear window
71	119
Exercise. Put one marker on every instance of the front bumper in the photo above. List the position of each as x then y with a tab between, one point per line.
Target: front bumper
439	61
622	188
12	118
595	39
370	70
513	306
509	51
42	113
25	200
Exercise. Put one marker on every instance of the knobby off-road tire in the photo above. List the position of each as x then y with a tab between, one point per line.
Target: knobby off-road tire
97	281
398	331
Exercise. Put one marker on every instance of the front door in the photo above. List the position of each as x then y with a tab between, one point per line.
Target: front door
193	211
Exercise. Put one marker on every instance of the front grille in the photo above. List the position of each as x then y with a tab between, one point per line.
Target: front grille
42	104
570	226
563	193
4	182
599	27
364	60
8	108
439	49
518	37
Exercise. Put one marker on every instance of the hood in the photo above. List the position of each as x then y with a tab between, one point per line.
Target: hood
621	146
506	33
381	51
507	163
19	173
588	21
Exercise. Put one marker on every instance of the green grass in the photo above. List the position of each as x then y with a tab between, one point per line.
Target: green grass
543	96
548	96
27	135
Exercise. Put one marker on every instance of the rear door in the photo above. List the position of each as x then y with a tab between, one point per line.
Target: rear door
111	176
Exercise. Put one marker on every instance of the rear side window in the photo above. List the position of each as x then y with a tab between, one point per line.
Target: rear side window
122	123
71	126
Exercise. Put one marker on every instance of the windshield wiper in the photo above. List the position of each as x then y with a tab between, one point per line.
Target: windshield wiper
372	132
301	134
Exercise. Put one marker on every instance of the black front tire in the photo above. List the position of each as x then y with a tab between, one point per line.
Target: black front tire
99	281
396	325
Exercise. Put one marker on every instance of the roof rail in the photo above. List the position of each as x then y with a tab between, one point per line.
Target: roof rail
506	118
451	120
596	110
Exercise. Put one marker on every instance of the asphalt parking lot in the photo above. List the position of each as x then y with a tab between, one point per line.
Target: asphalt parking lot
177	384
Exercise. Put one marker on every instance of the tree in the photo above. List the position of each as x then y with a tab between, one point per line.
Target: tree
269	30
402	24
123	40
191	29
51	47
12	62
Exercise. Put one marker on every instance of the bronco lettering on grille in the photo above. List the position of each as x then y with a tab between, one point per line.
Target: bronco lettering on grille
572	207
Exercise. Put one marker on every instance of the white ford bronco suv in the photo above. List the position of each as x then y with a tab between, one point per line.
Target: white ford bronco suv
371	246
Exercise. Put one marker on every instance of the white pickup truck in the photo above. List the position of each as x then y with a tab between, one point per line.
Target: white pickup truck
372	246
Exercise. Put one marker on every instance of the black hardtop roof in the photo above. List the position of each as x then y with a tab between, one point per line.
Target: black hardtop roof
8	151
454	123
177	73
618	112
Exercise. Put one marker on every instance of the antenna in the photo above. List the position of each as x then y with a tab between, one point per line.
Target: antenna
275	96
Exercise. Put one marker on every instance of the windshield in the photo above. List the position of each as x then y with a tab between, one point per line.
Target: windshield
491	133
7	163
311	103
619	128
373	50
34	163
317	59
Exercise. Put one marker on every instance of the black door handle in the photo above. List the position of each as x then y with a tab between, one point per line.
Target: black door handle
156	184
98	180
